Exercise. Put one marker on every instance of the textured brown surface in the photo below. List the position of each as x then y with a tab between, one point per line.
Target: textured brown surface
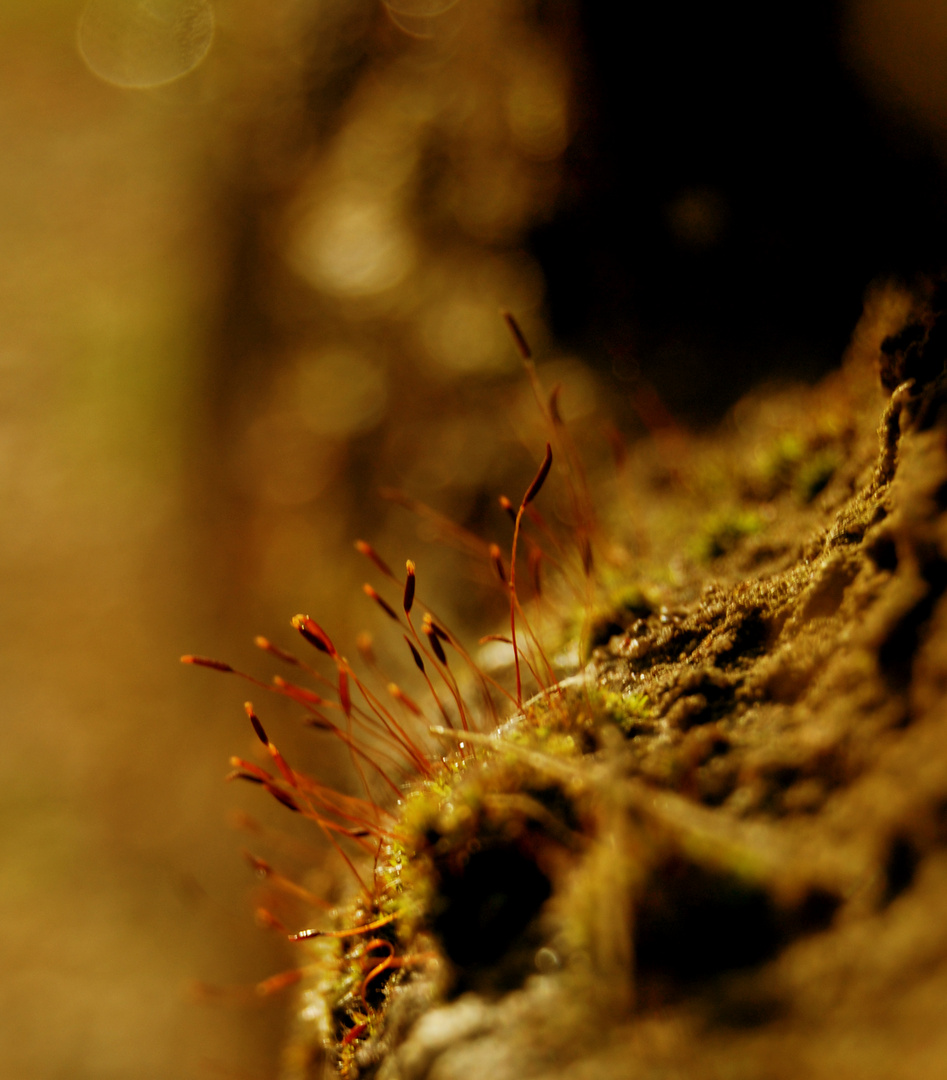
760	885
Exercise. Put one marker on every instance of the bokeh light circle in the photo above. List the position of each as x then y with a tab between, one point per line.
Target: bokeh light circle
144	43
420	9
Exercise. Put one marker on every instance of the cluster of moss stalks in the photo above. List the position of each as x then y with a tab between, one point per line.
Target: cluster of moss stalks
719	848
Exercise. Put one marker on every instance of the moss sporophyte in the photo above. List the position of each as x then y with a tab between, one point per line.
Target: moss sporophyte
453	869
544	854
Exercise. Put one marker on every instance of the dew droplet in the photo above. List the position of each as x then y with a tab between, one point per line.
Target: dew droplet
547	961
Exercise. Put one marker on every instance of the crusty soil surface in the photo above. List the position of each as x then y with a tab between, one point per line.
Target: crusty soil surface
801	690
763	885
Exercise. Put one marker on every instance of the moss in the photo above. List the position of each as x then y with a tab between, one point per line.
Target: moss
677	873
779	463
723	531
813	474
802	464
625	711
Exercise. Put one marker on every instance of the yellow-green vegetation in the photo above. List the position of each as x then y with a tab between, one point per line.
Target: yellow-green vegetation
779	463
624	710
722	531
458	892
804	465
814	474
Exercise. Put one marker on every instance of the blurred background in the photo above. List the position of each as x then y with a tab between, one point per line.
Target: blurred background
251	258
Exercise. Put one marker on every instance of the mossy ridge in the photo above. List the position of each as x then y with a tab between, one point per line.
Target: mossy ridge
773	824
535	808
484	814
795	729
